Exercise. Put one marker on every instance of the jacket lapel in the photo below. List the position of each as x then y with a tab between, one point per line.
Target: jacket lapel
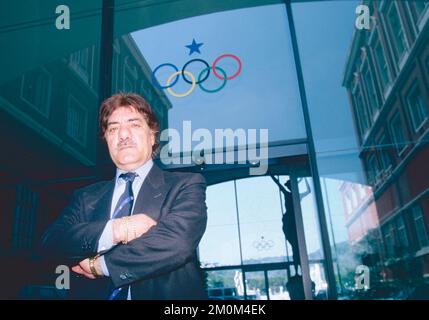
99	208
152	194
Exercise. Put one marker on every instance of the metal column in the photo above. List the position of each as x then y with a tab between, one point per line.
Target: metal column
329	268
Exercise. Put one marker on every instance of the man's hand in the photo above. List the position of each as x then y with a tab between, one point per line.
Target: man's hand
83	268
129	228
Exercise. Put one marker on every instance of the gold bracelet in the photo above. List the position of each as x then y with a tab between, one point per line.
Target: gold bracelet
92	267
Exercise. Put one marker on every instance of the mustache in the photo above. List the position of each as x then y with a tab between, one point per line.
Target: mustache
125	143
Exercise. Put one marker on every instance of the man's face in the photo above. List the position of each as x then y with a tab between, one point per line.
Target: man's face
129	138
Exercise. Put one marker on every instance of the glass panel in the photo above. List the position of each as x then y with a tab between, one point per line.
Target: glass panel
363	113
219	245
319	285
49	81
380	57
49	100
421	227
385	150
198	104
224	285
371	93
256	286
277	280
263	240
418	7
394	25
371	181
416	107
397	132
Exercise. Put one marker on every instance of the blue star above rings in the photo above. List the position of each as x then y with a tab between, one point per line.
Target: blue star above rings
194	47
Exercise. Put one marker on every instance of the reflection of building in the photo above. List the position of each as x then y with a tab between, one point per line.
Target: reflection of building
360	211
388	84
131	73
60	99
52	111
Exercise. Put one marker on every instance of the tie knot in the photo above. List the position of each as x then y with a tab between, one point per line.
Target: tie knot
129	176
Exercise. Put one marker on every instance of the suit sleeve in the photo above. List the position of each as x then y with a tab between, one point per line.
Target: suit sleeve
71	235
168	245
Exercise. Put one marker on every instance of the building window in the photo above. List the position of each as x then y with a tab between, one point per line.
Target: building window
402	237
416	107
418	8
130	77
381	62
147	91
388	240
372	94
115	72
77	121
372	170
420	226
385	155
397	133
36	90
397	34
81	62
361	113
25	215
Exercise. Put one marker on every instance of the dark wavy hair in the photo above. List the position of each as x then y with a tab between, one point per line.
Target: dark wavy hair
129	100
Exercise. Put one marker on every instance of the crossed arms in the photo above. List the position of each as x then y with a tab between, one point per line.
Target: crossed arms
153	247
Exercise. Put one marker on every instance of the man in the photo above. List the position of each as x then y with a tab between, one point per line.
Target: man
135	236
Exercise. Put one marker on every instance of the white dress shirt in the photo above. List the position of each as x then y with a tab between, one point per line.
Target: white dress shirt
106	239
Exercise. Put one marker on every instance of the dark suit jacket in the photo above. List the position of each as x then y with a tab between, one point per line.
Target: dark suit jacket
161	264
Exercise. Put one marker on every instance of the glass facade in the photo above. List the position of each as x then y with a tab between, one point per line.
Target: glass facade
311	132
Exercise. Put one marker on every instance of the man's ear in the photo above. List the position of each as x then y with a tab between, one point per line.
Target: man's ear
152	138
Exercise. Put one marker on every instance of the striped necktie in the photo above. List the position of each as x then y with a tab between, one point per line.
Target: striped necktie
123	209
125	202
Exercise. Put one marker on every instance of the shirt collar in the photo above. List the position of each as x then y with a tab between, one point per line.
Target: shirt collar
141	171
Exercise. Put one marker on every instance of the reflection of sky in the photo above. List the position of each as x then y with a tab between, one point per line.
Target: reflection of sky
264	95
260	213
324	32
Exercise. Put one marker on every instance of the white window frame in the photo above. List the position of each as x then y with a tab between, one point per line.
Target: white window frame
84	73
416	127
383	147
376	41
356	92
392	133
85	126
132	71
373	170
374	112
45	113
420	216
399	60
421	20
402	228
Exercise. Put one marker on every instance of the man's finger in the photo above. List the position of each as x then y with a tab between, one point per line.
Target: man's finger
79	270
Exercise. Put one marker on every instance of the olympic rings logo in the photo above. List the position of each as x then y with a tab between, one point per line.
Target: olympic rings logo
263	244
190	78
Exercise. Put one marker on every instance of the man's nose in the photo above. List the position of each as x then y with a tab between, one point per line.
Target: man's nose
124	132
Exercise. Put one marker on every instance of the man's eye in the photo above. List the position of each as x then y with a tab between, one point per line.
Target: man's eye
135	125
112	130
